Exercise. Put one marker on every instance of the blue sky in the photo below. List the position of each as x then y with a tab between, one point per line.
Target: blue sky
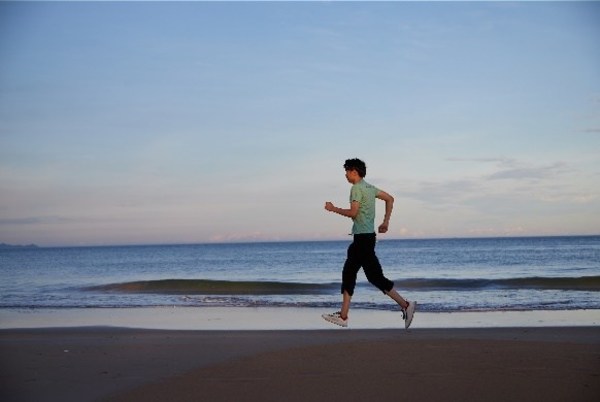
132	123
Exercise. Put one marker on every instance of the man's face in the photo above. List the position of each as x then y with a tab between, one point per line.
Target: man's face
352	175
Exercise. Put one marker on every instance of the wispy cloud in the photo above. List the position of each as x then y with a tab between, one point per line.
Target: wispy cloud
522	173
499	160
442	193
507	187
510	168
34	220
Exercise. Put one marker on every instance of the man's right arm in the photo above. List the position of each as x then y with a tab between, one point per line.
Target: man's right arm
351	213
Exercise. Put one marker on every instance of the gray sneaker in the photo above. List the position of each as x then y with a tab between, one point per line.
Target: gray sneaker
336	318
409	313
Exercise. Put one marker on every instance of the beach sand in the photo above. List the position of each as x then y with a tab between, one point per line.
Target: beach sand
278	318
422	364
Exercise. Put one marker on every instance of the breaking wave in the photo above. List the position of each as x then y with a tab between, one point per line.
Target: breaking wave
215	287
221	287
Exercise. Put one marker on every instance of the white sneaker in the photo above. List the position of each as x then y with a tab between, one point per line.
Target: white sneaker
409	313
336	318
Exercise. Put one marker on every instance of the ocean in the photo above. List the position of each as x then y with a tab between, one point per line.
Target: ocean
443	275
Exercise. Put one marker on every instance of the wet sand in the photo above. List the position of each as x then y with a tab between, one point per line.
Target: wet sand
421	364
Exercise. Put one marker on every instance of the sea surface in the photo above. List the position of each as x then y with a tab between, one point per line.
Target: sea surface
443	275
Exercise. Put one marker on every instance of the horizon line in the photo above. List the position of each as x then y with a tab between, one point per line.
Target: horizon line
6	246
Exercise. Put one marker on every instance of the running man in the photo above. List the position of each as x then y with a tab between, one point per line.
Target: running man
361	253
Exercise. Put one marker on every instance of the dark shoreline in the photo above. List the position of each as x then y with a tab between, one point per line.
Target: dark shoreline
112	363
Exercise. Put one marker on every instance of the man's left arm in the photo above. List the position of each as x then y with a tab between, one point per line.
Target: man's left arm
389	206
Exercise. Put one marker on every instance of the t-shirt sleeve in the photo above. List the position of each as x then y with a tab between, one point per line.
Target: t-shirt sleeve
356	194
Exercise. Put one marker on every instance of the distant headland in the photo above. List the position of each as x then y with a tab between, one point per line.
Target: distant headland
4	246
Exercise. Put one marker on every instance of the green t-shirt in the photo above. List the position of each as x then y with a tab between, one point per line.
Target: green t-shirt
365	194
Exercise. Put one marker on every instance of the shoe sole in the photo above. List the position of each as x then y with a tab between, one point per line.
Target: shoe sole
409	317
334	321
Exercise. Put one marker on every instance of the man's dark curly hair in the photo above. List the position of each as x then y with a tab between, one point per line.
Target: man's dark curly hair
356	164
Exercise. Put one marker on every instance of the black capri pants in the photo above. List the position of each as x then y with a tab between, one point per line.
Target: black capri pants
361	253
